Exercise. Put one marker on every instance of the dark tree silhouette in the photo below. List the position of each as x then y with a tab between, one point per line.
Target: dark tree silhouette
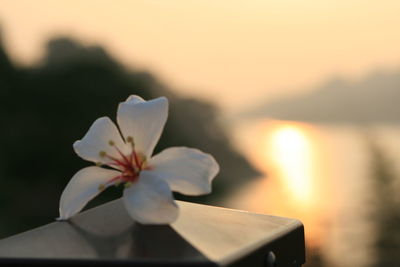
46	107
385	208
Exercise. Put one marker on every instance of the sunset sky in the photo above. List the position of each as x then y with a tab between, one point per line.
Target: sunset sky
235	53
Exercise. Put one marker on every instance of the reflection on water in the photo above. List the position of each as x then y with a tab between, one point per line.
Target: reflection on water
291	158
291	152
318	174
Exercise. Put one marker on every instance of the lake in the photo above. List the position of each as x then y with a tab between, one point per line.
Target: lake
335	178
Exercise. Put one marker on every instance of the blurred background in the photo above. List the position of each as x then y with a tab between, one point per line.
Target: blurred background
297	100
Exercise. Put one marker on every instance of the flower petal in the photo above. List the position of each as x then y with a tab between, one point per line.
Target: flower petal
133	99
97	139
150	200
144	121
186	170
82	187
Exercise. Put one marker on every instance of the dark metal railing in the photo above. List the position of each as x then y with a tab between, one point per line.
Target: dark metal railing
202	236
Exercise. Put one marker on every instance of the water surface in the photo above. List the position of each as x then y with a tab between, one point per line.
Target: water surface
322	175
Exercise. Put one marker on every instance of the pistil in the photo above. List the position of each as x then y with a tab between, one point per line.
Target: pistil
130	165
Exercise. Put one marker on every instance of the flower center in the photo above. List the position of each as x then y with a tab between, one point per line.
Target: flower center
129	165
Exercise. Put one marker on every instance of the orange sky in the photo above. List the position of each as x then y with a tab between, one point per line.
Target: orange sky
232	52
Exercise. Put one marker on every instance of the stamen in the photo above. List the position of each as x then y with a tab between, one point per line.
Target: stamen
136	159
141	161
129	139
116	180
116	161
122	155
130	165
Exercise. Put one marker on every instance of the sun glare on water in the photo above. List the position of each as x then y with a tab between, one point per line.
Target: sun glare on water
290	152
295	184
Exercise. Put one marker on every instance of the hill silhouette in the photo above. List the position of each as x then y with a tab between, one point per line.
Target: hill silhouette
370	100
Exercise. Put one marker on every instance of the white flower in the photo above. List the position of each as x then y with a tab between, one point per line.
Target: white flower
148	180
